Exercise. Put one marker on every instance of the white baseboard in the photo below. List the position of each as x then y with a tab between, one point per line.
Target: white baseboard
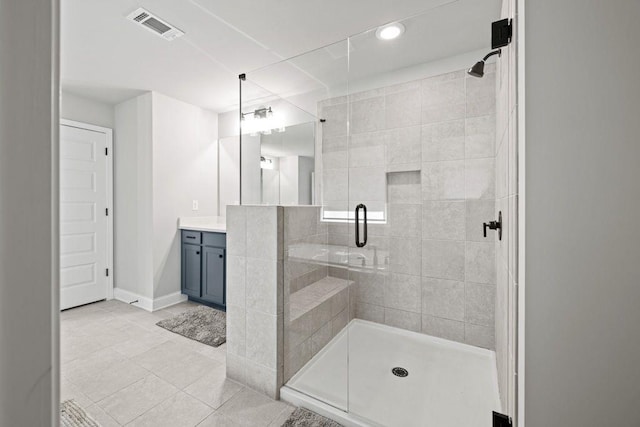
168	300
148	304
128	297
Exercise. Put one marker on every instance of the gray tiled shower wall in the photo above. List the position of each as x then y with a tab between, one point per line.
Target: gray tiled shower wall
255	297
269	338
307	333
423	153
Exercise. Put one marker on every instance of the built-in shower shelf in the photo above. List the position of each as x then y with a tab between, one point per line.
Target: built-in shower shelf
330	294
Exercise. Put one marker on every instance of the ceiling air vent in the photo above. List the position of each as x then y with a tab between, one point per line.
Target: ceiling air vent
153	23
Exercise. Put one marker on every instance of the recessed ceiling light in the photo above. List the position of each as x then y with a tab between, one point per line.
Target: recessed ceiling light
390	31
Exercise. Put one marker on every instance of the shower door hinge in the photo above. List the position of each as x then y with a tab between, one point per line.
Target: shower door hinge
106	151
501	420
107	272
501	32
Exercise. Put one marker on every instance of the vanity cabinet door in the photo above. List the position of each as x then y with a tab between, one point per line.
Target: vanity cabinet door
213	271
191	269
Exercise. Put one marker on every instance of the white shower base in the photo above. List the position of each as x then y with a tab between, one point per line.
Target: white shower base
350	380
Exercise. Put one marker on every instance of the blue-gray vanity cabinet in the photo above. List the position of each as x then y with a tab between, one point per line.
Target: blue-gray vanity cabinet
203	267
213	263
191	270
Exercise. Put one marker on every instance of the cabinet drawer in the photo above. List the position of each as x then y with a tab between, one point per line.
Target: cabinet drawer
215	239
193	237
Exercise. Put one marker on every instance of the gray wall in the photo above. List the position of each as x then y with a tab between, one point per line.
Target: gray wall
582	211
185	159
133	190
165	157
78	108
28	212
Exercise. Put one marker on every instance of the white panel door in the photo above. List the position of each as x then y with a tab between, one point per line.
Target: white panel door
83	216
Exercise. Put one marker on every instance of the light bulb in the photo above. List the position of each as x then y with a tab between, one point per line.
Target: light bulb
390	31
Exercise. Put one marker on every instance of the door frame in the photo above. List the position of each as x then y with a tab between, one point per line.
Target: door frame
519	346
109	192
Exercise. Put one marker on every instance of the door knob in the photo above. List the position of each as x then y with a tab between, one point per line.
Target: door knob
494	225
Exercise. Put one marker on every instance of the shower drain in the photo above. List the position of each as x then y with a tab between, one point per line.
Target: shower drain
400	372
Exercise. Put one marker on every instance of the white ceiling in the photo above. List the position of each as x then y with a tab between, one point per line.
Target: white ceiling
452	30
107	58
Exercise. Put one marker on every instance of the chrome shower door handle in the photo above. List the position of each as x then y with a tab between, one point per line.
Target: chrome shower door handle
358	242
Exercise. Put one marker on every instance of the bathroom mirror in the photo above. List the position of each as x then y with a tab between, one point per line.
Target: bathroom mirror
278	166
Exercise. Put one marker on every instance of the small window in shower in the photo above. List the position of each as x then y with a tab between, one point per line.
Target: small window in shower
365	186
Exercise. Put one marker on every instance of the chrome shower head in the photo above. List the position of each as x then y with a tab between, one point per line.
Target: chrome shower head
478	69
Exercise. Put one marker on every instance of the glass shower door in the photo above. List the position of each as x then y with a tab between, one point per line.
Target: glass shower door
316	286
384	167
421	162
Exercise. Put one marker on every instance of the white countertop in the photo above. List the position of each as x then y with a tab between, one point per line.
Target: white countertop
216	224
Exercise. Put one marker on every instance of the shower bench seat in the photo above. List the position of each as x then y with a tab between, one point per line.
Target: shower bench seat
319	310
317	313
329	294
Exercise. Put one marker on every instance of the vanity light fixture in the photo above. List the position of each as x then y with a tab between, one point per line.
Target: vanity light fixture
266	163
261	121
260	113
390	31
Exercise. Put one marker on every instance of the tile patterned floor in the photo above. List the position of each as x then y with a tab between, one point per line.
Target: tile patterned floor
124	370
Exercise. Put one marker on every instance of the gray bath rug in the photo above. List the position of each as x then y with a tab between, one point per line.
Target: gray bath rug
72	415
203	324
302	417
